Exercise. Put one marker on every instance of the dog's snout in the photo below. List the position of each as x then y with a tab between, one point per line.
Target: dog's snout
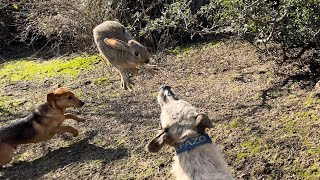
167	90
164	87
81	103
166	95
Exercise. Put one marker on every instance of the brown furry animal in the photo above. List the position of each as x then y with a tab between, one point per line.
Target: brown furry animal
197	157
121	50
40	125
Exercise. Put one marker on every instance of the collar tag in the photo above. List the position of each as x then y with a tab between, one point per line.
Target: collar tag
192	142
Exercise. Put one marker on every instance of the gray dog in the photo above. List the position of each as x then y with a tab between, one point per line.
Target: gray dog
197	157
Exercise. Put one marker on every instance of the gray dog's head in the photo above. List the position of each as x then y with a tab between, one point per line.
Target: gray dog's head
179	120
135	51
166	96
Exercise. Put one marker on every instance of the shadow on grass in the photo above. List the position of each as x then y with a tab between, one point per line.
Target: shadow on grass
76	153
127	110
306	80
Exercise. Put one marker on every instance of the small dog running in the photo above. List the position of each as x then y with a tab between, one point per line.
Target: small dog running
40	125
197	157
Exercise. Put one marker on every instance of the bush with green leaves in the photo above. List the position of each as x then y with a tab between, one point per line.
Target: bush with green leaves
157	24
291	26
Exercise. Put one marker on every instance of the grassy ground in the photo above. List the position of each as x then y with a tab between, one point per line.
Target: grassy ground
266	119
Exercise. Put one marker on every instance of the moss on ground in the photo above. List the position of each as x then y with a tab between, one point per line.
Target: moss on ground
9	104
26	70
102	81
180	50
234	123
155	94
299	128
311	101
24	156
251	147
185	51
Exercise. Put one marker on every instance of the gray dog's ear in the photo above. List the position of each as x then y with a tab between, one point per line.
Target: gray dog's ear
116	44
158	142
203	122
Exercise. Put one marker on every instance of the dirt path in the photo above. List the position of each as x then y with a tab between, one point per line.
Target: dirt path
266	125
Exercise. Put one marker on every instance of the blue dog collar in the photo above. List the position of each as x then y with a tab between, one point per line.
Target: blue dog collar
192	142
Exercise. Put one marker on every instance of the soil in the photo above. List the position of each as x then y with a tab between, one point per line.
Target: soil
265	118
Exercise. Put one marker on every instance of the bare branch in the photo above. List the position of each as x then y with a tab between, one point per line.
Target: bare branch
147	10
70	6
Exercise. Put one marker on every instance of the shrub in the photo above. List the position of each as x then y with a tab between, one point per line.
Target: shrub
157	24
291	26
6	22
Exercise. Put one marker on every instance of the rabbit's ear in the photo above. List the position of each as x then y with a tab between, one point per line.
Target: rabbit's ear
117	44
127	36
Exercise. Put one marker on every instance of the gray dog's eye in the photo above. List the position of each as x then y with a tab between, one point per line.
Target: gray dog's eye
136	53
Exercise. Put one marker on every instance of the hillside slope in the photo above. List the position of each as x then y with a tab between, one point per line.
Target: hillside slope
266	121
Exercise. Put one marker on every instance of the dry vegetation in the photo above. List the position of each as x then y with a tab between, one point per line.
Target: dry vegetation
265	116
284	30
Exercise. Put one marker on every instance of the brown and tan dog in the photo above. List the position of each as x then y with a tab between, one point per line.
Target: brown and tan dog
41	125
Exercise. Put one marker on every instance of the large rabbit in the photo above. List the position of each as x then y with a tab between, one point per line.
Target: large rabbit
121	50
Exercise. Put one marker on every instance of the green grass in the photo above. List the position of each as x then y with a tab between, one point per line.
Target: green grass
28	70
180	50
310	172
10	104
23	156
251	147
155	94
301	124
102	81
311	101
234	123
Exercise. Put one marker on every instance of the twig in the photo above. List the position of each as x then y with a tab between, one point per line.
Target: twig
147	10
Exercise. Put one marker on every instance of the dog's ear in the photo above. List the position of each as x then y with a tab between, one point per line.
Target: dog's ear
50	97
116	44
203	122
158	142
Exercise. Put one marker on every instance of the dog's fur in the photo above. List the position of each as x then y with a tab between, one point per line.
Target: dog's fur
181	120
41	125
121	50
